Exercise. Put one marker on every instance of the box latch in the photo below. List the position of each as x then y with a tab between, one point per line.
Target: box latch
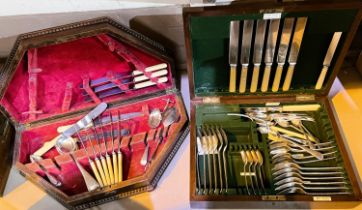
305	97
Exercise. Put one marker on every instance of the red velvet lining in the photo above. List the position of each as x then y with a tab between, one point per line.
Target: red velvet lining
65	169
69	62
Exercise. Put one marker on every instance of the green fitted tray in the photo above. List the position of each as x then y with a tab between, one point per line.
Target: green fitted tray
210	45
242	134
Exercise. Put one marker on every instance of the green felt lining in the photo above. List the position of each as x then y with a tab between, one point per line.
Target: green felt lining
210	44
242	134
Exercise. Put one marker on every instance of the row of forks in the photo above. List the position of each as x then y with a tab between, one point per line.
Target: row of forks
212	146
253	159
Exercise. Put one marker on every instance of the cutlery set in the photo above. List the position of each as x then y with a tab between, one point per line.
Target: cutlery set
262	43
101	136
286	158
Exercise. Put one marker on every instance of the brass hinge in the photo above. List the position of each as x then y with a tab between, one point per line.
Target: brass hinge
305	97
211	100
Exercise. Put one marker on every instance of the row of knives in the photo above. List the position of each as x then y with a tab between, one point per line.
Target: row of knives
291	37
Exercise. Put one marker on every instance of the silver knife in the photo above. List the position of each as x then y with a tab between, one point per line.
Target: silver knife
245	53
294	51
233	53
258	53
73	129
328	59
269	52
282	51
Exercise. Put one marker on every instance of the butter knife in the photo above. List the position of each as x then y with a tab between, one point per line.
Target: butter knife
245	53
269	52
282	51
294	51
258	53
82	123
328	59
233	53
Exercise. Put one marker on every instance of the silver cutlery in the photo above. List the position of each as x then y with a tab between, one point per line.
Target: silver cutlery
245	53
233	53
282	51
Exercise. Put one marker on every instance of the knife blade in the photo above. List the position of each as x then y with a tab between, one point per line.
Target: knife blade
73	129
294	51
233	53
282	51
245	53
328	59
258	53
269	52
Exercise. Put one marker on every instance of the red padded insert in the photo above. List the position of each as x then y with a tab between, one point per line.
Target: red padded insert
69	62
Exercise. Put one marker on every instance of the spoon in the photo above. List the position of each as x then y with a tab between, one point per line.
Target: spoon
296	189
52	179
155	117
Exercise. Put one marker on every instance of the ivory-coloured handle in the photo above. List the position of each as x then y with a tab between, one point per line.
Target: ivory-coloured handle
96	174
301	108
288	78
101	172
321	78
277	77
156	67
115	167
105	170
150	69
153	75
266	76
46	147
292	133
243	77
232	83
120	167
255	79
110	169
150	83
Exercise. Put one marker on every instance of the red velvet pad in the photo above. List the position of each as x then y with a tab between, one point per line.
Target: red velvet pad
132	146
69	62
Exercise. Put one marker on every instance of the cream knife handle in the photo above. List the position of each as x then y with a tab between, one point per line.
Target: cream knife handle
46	147
120	167
321	78
115	167
96	173
288	77
110	168
232	83
243	77
150	83
266	76
100	170
277	77
105	170
255	78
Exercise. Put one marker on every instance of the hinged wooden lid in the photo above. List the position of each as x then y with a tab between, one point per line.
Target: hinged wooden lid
7	135
47	67
207	45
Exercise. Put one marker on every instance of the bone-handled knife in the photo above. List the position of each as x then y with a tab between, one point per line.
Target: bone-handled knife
245	53
233	53
282	51
294	50
258	53
82	123
269	52
328	59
